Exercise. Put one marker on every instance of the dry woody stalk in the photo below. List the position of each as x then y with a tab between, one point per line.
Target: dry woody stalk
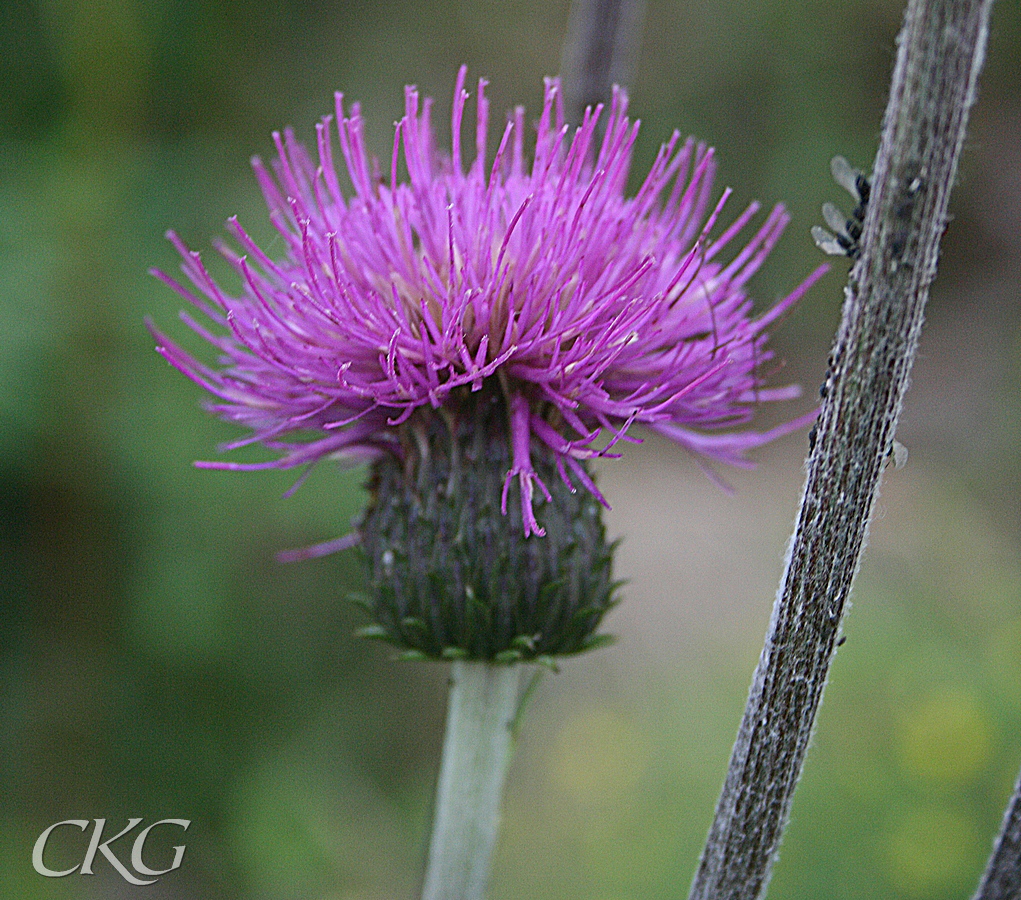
940	52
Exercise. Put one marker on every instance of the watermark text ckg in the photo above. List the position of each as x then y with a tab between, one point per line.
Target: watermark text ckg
98	845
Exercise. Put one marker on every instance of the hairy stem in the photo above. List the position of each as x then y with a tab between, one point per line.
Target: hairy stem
602	40
1002	878
481	715
940	52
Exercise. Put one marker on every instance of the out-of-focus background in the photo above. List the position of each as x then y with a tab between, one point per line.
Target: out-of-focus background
155	661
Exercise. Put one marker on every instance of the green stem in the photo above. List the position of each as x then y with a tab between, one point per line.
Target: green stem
477	747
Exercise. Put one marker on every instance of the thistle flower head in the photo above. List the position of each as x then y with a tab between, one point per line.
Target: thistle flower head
437	276
472	325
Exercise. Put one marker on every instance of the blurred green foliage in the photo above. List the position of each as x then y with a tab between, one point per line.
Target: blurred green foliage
155	661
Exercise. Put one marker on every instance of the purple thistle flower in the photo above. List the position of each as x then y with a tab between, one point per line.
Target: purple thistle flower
590	311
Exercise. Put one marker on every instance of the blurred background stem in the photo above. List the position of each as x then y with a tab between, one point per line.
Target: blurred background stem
477	746
599	51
